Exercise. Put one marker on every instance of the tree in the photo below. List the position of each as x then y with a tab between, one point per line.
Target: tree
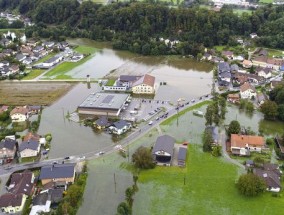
251	185
207	141
249	107
269	109
129	192
217	151
281	112
124	209
223	107
209	115
234	128
143	159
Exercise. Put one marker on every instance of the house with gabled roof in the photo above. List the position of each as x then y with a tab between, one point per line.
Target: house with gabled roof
102	122
163	150
19	114
58	173
8	148
264	72
247	91
144	85
29	148
12	203
120	127
22	183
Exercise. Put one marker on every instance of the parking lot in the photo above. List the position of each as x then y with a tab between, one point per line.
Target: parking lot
145	109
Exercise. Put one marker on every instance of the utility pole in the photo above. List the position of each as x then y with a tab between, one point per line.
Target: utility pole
128	152
114	182
184	180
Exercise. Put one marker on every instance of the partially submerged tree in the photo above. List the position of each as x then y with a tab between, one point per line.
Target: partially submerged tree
234	128
207	141
143	159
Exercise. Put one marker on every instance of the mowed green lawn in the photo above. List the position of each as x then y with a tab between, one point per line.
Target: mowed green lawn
266	1
33	74
59	72
209	189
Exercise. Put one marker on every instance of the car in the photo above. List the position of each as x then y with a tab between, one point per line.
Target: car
200	98
177	108
193	100
157	118
150	123
155	111
207	95
67	158
82	158
55	162
101	152
158	108
150	113
187	103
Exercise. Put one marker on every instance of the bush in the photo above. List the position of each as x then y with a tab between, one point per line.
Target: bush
251	185
143	159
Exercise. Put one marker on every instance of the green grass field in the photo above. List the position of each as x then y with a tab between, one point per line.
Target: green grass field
241	11
85	50
33	74
205	186
50	55
266	1
275	52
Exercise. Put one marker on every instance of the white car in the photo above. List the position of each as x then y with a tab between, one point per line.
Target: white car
81	158
150	123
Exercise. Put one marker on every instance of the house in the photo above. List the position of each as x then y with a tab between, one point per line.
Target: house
262	52
274	63
20	57
3	109
144	85
233	98
38	49
127	80
22	183
253	35
259	61
163	150
281	68
11	203
29	148
27	61
182	156
8	52
120	127
238	58
32	43
247	91
5	42
264	72
213	130
48	44
247	64
102	122
4	63
34	109
271	174
260	98
52	61
58	173
41	203
228	54
223	67
19	114
207	56
244	144
8	148
26	50
234	68
14	68
225	76
31	136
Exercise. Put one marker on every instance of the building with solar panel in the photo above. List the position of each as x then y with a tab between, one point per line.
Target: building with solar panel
104	104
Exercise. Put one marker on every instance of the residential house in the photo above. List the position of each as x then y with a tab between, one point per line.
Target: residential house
58	173
213	130
52	61
144	85
9	52
207	56
264	72
3	109
102	122
22	183
216	59
27	61
281	68
238	58
261	52
11	203
14	68
228	54
225	76
271	174
29	148
253	35
260	98
120	127
244	144
32	43
19	114
26	50
8	148
233	98
247	64
38	49
127	80
34	109
182	156
234	68
163	150
31	136
223	67
5	42
48	44
4	63
259	61
274	63
247	91
20	57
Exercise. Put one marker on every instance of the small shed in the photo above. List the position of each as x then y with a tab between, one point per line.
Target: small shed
182	156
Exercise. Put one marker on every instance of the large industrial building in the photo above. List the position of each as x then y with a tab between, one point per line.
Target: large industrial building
104	104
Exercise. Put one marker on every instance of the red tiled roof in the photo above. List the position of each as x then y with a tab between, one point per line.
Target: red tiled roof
244	140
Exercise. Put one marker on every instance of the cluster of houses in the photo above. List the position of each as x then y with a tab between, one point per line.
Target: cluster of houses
29	147
46	190
119	127
138	84
12	18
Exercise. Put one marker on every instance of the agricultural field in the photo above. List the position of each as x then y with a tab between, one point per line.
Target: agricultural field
23	93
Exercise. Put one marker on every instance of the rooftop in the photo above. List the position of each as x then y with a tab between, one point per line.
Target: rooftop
9	199
57	171
30	144
112	101
164	143
244	140
146	79
182	153
8	144
21	183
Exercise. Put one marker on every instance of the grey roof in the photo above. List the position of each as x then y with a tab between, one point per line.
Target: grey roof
20	56
51	60
107	101
38	48
234	67
164	143
8	144
40	199
57	171
33	145
182	153
129	78
223	67
102	121
120	124
56	195
270	177
225	75
249	162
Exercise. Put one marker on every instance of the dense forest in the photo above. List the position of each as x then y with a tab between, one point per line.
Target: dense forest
138	26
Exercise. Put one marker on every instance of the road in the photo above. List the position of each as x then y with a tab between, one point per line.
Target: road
139	132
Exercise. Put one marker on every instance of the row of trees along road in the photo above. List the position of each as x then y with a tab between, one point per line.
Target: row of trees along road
138	26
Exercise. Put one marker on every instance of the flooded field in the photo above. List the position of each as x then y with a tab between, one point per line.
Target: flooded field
32	93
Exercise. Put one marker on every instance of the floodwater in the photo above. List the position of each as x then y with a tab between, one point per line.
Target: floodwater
184	77
70	138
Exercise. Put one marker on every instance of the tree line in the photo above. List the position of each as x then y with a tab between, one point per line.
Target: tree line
138	26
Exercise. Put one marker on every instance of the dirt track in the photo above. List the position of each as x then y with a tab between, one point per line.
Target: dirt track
32	93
